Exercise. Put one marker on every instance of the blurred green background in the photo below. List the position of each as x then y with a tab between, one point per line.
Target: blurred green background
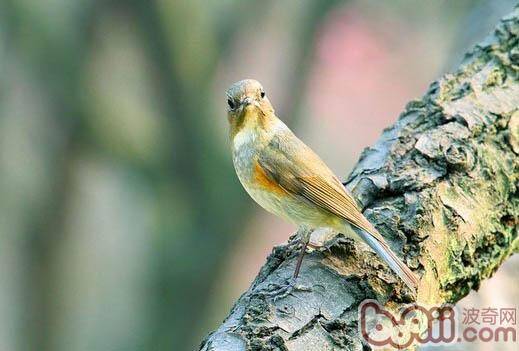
122	223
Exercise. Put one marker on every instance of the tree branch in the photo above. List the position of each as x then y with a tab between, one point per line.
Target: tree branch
441	185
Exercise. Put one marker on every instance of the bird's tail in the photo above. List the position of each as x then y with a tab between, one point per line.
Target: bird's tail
384	251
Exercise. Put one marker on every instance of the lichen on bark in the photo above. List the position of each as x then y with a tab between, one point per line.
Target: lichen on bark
441	185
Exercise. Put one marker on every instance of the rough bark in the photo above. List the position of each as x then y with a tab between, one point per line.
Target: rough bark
441	185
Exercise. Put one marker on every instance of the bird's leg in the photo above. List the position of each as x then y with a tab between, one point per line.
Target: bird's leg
279	291
305	239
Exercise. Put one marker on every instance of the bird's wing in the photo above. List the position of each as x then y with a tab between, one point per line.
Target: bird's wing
292	165
297	169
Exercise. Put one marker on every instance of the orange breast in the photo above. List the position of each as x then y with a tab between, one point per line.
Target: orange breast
262	180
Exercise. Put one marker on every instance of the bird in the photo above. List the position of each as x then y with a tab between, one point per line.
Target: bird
285	177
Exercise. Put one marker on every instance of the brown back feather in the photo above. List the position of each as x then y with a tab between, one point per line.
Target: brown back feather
296	168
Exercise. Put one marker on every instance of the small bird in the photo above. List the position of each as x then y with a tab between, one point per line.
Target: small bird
288	179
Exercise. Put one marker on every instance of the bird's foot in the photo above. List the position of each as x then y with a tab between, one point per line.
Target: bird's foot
280	291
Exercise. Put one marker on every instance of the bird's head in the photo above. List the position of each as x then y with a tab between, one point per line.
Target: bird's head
247	105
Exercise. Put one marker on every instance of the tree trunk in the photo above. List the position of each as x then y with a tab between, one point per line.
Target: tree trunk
441	185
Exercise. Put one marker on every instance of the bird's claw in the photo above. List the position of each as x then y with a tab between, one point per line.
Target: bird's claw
280	291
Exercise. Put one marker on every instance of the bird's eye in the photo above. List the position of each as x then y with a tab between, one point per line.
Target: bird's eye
262	94
230	103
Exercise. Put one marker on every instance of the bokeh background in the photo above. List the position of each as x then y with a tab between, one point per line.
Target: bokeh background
122	223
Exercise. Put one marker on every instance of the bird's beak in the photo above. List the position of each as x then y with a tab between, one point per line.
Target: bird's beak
248	101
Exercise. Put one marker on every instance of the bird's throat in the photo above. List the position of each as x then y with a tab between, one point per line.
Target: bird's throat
251	119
